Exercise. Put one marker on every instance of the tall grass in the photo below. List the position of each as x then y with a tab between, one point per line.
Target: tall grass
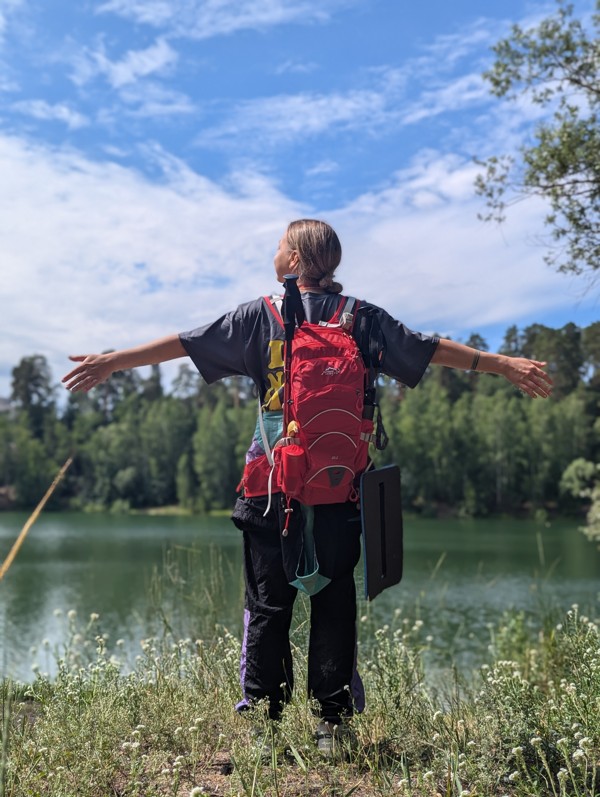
528	725
162	722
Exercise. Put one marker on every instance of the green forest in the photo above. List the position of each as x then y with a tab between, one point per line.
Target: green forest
466	443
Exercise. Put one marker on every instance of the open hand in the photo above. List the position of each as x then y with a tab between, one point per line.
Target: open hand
94	370
528	376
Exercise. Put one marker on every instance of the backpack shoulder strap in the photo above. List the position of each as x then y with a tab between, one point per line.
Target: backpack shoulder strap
344	314
370	338
274	304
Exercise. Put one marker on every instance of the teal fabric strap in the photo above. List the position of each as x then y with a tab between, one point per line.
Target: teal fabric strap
308	579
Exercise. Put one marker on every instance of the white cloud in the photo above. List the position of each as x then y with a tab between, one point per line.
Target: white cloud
6	83
322	168
85	246
389	97
7	9
202	19
285	118
464	92
150	12
84	242
152	100
296	67
447	49
40	109
422	88
135	64
438	267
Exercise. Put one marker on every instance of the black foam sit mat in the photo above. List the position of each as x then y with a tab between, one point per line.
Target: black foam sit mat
381	517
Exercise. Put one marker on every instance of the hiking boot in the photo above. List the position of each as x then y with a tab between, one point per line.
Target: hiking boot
331	738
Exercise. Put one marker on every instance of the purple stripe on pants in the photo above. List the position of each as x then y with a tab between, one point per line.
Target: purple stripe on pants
244	702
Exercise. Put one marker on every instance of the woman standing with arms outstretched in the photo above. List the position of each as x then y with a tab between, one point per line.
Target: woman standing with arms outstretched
247	341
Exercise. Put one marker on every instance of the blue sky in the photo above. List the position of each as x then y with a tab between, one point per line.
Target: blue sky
153	151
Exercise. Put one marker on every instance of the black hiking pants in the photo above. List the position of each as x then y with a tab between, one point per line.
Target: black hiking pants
270	560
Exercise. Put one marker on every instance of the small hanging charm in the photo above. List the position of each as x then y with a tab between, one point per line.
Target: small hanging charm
288	511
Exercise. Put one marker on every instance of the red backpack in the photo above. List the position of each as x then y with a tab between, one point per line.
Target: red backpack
326	426
326	438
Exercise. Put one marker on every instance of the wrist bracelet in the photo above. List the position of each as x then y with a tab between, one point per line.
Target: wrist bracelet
475	361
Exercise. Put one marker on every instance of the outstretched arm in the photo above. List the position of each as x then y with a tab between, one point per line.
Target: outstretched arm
526	375
96	368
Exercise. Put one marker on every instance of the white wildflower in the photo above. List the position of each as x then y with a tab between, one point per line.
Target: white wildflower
578	755
535	741
514	776
71	614
585	742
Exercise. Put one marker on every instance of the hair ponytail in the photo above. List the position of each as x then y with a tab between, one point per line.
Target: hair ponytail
319	253
328	284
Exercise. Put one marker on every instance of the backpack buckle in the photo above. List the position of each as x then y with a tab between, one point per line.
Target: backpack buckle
346	321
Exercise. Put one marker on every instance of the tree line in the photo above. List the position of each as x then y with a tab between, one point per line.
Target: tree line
465	441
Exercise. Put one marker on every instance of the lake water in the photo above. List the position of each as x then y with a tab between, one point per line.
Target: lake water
140	573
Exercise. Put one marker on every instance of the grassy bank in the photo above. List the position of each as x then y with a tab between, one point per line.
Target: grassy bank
528	725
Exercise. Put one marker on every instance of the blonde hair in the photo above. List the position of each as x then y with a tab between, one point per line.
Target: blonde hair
319	253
